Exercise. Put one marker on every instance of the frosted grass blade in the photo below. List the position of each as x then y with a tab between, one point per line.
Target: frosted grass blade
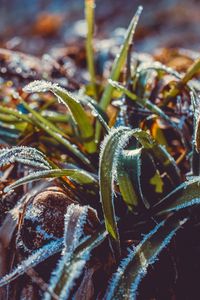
125	281
79	176
73	104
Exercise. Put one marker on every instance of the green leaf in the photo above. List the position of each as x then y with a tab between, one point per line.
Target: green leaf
197	134
128	170
71	267
96	110
143	103
157	181
159	152
52	130
120	59
41	119
79	115
78	175
55	117
117	66
159	67
185	195
111	150
134	183
125	282
190	73
89	16
9	119
15	113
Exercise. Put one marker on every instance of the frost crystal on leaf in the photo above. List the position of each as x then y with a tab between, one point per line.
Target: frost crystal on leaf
38	86
26	155
37	257
75	220
137	255
41	86
70	268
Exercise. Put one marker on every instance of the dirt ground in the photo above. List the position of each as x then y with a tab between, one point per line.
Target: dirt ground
37	27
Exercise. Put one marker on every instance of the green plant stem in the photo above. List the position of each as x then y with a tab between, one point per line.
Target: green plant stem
15	113
120	59
52	131
143	102
118	64
192	70
89	15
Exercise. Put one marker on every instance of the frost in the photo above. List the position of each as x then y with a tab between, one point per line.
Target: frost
195	100
26	155
115	141
124	263
34	213
195	201
75	220
90	103
76	270
151	261
38	86
144	261
70	268
78	114
29	178
77	175
35	164
37	257
144	67
41	86
111	150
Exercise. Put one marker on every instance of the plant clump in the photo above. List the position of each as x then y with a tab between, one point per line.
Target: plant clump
100	179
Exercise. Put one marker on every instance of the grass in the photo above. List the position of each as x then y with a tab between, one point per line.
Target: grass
100	190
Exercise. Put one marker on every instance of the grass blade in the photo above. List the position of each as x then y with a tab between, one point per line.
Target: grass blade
184	196
79	115
111	149
75	220
159	152
159	67
89	16
96	110
63	280
118	64
129	162
15	113
134	183
42	123
79	176
120	59
125	282
143	103
190	73
37	257
26	155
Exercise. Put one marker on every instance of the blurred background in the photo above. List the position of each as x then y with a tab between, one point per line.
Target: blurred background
37	26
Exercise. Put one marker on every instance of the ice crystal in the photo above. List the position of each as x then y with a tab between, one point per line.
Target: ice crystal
37	257
144	261
26	155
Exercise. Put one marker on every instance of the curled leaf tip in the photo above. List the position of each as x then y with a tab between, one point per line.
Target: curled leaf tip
38	86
